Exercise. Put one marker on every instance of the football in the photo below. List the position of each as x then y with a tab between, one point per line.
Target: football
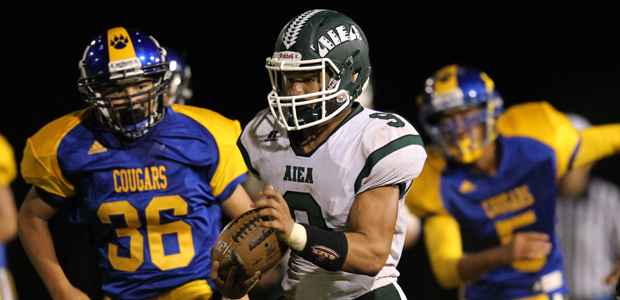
243	242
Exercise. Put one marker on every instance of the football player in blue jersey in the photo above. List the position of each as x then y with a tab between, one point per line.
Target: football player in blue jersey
488	187
8	214
147	181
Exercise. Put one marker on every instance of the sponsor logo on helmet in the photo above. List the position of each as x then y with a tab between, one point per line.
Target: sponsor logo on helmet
337	36
285	55
125	64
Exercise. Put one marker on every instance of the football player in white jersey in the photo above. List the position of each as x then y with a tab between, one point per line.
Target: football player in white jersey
335	173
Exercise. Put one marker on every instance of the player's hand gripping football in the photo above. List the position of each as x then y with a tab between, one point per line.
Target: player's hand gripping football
274	205
237	284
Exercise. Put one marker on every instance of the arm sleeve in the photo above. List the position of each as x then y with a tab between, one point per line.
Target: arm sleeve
424	197
443	241
597	142
40	164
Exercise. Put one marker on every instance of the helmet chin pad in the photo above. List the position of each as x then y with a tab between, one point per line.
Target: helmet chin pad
305	114
131	116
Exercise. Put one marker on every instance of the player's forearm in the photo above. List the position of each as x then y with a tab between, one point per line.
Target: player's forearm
471	267
38	244
367	255
8	215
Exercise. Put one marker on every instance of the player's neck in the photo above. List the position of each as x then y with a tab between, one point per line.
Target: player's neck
487	163
313	137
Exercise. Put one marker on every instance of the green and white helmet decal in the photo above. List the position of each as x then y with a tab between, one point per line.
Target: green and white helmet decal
324	41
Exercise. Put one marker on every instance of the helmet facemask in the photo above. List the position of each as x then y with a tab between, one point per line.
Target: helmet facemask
459	108
301	111
323	41
130	115
463	138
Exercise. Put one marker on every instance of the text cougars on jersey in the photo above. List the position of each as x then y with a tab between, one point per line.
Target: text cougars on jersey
515	199
140	179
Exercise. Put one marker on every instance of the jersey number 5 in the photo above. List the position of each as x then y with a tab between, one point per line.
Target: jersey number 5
155	230
396	122
505	229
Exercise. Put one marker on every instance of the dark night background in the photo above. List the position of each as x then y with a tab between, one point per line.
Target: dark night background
565	54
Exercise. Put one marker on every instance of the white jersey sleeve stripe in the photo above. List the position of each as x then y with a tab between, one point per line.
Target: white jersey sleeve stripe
377	155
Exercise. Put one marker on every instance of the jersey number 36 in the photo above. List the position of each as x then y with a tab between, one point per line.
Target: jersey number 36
155	230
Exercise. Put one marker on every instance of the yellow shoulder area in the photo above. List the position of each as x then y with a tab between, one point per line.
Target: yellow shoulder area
8	170
224	130
424	197
542	122
51	134
40	162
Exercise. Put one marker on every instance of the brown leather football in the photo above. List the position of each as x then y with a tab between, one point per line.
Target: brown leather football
242	241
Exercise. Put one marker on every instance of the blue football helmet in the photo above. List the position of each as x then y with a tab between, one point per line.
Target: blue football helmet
180	89
459	88
120	56
325	41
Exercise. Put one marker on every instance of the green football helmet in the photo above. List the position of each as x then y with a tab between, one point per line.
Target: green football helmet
325	41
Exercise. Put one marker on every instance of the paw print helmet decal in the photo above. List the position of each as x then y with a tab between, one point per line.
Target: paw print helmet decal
116	57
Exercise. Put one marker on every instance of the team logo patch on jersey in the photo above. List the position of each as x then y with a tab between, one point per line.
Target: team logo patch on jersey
272	137
96	148
467	187
325	253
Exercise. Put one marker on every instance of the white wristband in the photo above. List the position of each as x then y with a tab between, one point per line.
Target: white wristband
299	237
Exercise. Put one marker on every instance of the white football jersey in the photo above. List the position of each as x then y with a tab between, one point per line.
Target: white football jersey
369	149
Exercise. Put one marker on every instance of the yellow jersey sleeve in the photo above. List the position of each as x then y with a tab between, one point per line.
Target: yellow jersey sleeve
225	132
442	236
597	142
40	162
8	169
541	122
424	196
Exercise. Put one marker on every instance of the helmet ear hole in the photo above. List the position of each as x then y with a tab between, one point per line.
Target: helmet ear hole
355	74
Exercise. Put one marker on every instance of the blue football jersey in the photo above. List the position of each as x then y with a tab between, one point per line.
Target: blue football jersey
150	205
536	145
491	209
